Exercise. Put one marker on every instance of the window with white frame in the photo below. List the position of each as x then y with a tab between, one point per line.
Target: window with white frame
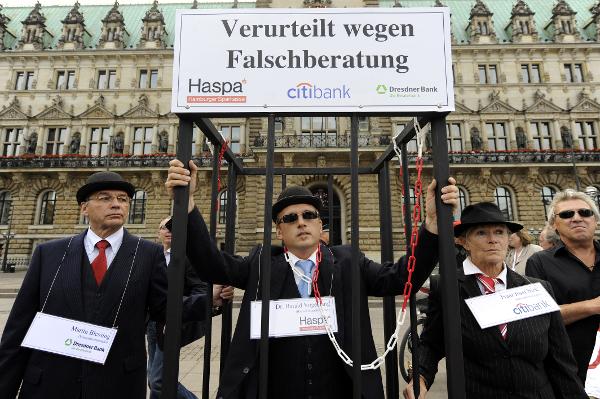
454	134
65	80
322	131
488	74
142	140
541	135
233	134
588	137
5	205
496	136
547	194
107	79
11	141
573	73
137	209
46	207
504	201
148	79
55	140
530	73
98	143
23	80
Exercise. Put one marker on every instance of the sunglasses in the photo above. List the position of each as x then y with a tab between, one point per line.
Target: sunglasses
584	213
292	217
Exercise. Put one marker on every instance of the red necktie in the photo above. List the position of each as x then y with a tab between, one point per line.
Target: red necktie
99	264
489	286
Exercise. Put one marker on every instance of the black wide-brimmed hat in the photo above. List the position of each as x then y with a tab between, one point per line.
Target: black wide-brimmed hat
295	195
104	181
483	213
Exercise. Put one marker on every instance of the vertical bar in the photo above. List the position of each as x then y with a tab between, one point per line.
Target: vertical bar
226	316
330	207
451	311
412	305
283	182
356	333
176	269
265	272
389	302
214	188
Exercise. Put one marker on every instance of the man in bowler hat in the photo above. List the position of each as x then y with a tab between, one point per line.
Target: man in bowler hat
302	366
104	276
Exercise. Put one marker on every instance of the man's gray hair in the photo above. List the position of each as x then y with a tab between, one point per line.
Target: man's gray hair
570	194
550	235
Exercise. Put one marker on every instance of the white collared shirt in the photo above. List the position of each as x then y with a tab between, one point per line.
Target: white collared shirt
115	240
292	261
167	253
470	268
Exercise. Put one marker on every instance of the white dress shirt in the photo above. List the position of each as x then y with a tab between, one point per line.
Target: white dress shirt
115	240
292	261
470	268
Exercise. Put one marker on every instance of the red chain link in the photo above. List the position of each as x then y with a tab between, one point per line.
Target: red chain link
315	277
221	154
414	236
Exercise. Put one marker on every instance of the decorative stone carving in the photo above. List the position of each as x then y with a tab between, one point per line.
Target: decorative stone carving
566	137
118	143
153	29
32	143
33	30
481	24
565	24
75	142
73	29
163	142
113	29
317	3
521	138
522	23
476	142
4	20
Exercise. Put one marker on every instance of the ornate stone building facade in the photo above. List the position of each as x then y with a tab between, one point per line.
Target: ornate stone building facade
85	88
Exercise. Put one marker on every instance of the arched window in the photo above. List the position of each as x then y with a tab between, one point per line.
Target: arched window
504	201
548	194
137	209
463	199
223	201
5	203
46	207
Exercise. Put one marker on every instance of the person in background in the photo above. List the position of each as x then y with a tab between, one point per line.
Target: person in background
548	238
521	248
573	270
325	235
191	331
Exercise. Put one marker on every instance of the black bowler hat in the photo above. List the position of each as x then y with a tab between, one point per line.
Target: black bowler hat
104	181
295	195
483	213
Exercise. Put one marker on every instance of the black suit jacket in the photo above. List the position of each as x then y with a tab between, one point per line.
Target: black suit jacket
48	376
536	360
240	375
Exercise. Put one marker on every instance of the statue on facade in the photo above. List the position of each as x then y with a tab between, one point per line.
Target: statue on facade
74	145
163	142
476	142
565	135
521	138
118	143
32	143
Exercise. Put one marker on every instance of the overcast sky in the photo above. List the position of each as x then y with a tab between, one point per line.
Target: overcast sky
44	3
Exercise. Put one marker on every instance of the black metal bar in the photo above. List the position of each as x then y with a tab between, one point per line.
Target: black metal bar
307	171
330	207
412	301
404	137
214	193
265	272
356	333
176	269
451	311
283	182
211	132
389	302
226	316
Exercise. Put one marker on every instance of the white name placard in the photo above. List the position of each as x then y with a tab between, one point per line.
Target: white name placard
312	60
69	337
294	317
512	304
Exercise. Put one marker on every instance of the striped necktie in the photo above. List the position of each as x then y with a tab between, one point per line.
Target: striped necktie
489	286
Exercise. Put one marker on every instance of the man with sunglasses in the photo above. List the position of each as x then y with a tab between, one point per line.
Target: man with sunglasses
302	365
573	269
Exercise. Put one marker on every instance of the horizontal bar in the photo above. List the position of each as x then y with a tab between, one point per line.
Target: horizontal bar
306	171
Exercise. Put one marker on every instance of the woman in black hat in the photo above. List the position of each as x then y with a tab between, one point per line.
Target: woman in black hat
527	358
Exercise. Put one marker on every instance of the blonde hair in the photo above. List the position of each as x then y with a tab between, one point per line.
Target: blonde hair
570	194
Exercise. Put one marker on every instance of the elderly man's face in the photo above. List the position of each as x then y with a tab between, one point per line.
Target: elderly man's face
302	235
577	228
106	210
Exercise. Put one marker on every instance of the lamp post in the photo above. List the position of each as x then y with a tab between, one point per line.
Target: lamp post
567	138
7	236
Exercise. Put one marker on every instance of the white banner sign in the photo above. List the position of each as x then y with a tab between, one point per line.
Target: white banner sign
512	304
294	317
313	60
69	338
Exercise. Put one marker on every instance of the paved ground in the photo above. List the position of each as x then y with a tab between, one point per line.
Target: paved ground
191	357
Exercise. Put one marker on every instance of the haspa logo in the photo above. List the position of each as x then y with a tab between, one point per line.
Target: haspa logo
309	91
521	308
216	91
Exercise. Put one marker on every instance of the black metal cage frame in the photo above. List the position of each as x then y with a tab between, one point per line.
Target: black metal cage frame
380	167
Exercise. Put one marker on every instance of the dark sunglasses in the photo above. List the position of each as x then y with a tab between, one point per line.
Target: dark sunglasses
292	217
584	213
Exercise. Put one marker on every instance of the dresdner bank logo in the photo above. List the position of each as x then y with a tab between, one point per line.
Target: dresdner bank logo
309	91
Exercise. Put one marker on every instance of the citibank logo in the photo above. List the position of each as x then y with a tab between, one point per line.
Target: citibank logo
309	91
522	308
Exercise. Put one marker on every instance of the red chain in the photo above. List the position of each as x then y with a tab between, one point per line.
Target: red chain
414	236
221	154
316	277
